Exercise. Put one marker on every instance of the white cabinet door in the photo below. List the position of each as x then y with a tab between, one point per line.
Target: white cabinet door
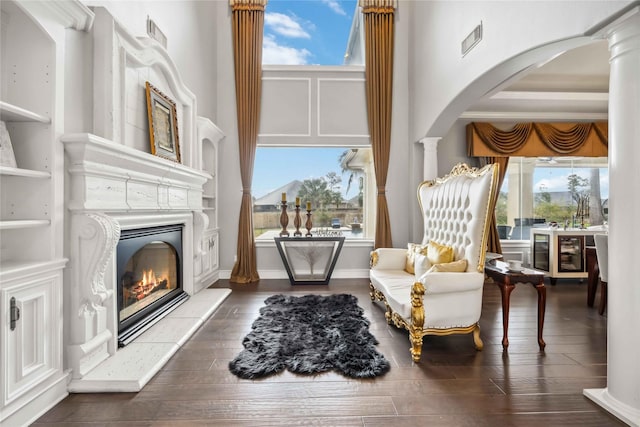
31	332
210	257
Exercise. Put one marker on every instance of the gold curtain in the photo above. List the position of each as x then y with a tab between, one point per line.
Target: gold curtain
588	139
493	243
247	26
378	30
504	142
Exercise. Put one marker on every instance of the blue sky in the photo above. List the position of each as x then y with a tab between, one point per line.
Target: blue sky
306	32
302	32
275	167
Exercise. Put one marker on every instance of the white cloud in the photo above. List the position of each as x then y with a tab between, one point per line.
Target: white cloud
285	25
273	53
335	6
558	183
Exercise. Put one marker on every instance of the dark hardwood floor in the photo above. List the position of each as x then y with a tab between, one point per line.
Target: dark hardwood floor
453	385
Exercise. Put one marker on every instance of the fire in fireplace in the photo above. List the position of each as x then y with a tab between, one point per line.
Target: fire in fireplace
149	271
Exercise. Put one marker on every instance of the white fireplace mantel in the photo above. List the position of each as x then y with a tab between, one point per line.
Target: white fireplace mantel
109	176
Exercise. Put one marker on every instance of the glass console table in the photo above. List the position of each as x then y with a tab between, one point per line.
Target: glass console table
309	260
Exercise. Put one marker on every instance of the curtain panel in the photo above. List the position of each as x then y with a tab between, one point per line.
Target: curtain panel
247	26
378	18
493	242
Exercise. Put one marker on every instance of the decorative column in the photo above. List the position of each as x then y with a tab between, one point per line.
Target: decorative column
621	396
430	145
520	191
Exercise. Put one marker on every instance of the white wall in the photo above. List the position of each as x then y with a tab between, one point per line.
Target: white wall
514	37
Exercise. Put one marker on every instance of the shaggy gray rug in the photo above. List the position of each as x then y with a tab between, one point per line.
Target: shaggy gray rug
309	335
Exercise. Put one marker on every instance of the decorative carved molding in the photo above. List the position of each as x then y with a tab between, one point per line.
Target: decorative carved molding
98	236
94	238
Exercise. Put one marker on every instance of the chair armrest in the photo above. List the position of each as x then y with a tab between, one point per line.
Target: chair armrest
388	259
450	282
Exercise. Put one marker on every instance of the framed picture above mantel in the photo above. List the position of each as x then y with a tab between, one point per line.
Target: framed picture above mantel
163	124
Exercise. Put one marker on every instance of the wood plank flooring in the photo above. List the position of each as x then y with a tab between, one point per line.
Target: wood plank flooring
453	385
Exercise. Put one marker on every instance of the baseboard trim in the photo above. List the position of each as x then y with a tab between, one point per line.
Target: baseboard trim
624	412
282	274
37	406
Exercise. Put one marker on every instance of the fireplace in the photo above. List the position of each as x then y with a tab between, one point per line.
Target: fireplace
149	278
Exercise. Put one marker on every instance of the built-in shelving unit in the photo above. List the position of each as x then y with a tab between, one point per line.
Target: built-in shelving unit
208	138
32	206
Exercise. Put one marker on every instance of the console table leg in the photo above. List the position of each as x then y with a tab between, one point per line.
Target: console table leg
592	284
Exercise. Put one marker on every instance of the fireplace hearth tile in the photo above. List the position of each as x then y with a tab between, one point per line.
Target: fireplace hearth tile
134	365
201	304
170	330
128	371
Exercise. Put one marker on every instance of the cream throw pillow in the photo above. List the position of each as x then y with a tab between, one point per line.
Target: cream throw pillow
421	266
451	267
439	254
412	250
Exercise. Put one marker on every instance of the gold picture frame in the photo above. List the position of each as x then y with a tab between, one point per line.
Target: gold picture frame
163	124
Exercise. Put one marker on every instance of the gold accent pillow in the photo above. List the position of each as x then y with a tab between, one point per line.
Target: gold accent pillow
412	250
439	254
373	261
459	266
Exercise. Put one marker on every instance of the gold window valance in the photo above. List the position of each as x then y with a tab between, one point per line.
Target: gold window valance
538	140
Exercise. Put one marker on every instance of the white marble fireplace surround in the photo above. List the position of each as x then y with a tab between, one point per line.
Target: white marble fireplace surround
113	187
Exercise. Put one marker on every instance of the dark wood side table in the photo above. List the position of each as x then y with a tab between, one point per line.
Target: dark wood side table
506	281
593	272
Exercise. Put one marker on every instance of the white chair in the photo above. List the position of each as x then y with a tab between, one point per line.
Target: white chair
602	252
456	210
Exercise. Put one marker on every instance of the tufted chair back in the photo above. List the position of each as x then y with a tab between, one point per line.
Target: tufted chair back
457	209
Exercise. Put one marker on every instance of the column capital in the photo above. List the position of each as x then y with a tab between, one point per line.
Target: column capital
430	162
430	143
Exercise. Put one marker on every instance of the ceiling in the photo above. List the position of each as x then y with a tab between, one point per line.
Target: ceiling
572	86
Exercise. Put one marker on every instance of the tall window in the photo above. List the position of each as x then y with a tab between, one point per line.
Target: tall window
335	181
569	191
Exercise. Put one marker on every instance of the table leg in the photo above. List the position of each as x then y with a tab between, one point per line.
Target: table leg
542	303
505	290
592	284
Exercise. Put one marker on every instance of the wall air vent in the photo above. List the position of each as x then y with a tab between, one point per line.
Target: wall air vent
472	39
155	33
